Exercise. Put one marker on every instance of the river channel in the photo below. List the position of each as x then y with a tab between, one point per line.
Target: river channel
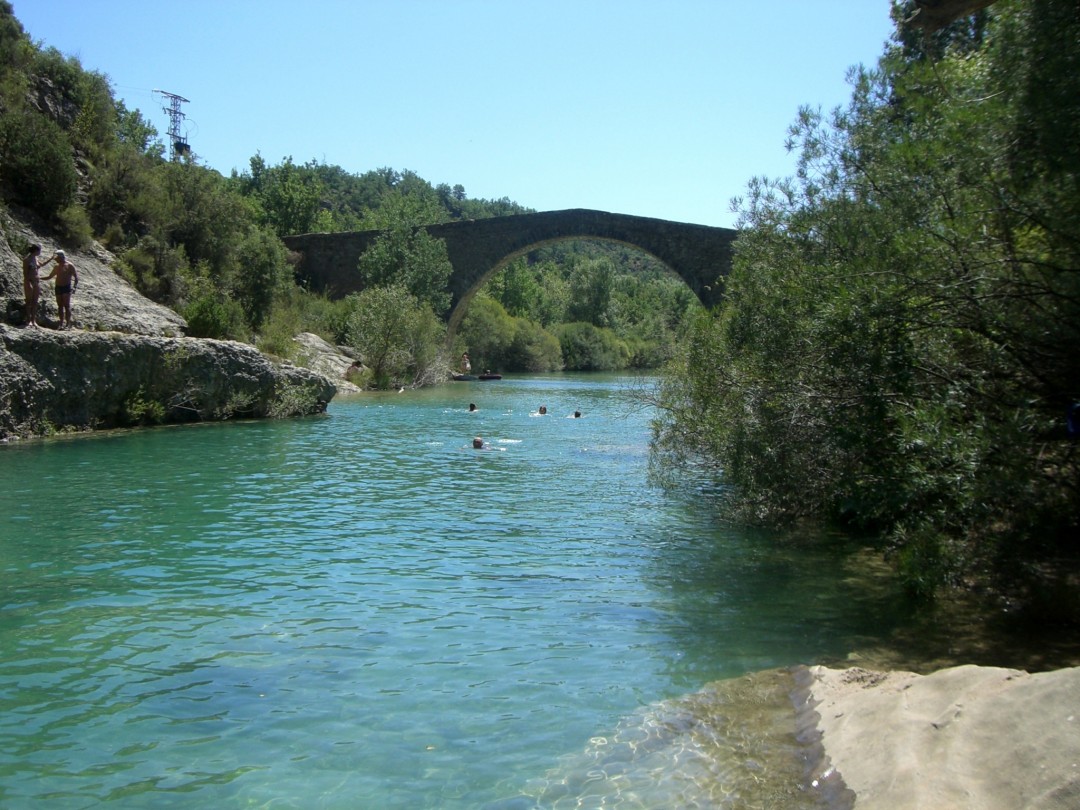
360	610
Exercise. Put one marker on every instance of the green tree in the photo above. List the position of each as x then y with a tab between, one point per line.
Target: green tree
264	274
394	333
134	130
13	40
516	289
408	256
589	348
591	285
487	330
35	162
202	214
289	195
553	302
897	347
400	207
124	195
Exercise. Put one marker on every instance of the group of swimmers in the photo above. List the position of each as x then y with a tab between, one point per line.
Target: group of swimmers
67	280
478	442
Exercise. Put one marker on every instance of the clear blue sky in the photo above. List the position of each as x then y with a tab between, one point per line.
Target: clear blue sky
663	108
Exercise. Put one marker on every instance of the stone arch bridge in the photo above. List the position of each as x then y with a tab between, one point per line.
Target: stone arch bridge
477	249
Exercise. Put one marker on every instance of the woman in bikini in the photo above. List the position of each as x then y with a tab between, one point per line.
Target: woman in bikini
31	283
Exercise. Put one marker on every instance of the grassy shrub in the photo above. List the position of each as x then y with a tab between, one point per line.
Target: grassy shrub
139	410
75	226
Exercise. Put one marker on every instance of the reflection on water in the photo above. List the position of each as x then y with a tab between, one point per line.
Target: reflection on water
360	610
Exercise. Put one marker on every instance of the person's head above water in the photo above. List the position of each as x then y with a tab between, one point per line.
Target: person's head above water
472	406
478	443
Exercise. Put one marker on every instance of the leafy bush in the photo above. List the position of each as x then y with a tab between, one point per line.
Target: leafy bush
293	400
397	336
589	348
36	168
487	330
139	410
157	270
497	340
897	350
210	313
264	275
532	348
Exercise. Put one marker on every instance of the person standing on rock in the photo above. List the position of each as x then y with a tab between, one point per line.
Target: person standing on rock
31	283
67	280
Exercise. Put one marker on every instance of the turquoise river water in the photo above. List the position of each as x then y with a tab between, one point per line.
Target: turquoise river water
358	610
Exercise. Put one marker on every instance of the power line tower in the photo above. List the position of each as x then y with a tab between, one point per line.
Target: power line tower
178	144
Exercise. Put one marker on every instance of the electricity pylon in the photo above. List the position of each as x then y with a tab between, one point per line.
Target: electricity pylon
178	144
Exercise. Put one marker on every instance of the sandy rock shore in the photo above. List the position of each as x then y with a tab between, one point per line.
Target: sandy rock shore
965	737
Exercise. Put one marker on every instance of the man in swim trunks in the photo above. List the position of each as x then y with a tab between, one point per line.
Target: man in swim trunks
67	280
31	283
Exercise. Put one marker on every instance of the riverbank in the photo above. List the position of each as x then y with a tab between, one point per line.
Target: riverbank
962	737
52	381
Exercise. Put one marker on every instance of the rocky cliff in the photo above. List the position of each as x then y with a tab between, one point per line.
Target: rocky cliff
103	302
126	363
52	381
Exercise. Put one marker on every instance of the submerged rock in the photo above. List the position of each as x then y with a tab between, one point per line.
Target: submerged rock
730	745
53	381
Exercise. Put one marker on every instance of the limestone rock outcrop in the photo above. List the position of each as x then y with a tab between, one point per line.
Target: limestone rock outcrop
52	380
104	301
127	362
329	360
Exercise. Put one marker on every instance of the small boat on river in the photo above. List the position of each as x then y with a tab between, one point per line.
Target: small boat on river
487	375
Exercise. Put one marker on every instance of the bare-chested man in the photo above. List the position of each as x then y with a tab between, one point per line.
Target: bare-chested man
31	283
67	279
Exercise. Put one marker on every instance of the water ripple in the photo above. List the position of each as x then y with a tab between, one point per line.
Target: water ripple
361	610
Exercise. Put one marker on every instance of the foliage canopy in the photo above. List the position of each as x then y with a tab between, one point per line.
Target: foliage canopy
898	350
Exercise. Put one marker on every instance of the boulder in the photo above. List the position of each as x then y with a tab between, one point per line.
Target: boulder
329	360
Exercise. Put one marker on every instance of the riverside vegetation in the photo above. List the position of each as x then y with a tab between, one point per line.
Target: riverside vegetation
897	350
209	246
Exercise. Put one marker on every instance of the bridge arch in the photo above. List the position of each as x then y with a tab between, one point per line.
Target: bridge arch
699	254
